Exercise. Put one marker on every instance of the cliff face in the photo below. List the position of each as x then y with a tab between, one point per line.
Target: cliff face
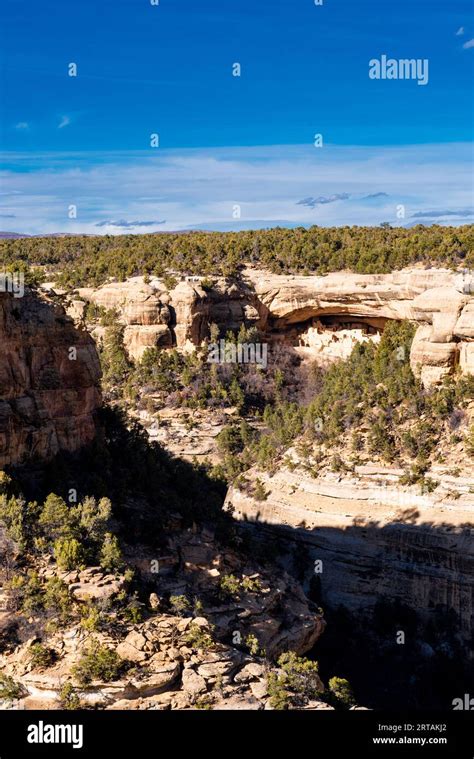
49	381
320	316
376	540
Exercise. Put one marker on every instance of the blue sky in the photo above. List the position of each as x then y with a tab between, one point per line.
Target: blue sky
229	141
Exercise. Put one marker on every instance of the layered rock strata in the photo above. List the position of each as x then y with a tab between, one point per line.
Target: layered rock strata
49	381
375	539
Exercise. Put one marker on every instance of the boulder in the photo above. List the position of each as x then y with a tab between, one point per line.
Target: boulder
88	591
137	339
464	327
193	683
250	672
218	664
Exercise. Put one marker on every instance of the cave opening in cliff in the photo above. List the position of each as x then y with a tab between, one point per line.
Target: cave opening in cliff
328	337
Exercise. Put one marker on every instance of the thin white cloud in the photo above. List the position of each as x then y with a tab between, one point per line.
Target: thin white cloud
65	121
468	44
460	31
124	224
22	125
202	187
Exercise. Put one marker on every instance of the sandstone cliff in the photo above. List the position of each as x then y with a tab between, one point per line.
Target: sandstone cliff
376	539
49	381
320	316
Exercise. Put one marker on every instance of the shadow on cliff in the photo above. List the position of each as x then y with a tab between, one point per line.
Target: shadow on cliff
398	602
429	669
146	484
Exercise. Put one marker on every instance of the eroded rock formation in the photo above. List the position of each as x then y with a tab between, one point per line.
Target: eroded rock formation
304	310
49	381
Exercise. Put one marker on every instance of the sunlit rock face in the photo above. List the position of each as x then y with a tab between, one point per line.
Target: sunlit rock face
49	381
321	317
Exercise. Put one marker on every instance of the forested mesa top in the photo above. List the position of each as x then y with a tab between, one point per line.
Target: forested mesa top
91	260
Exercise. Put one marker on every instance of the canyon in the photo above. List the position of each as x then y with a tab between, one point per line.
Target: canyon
376	537
364	535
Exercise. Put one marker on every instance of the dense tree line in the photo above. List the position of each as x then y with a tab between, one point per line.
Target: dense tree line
90	260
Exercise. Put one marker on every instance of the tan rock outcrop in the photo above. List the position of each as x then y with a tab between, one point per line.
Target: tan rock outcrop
138	338
191	310
136	301
288	306
431	360
162	669
49	381
399	295
466	357
464	327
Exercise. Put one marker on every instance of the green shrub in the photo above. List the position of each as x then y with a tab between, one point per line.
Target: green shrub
93	517
69	553
110	554
42	656
301	674
169	281
68	698
113	357
57	598
5	482
251	641
259	492
295	682
91	618
55	518
26	592
252	584
10	690
97	662
20	519
342	692
279	696
134	610
180	605
229	585
198	637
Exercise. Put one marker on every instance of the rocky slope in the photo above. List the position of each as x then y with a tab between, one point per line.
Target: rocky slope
49	381
200	659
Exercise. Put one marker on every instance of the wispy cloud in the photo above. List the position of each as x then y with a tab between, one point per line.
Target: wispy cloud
65	121
22	125
7	216
460	213
195	187
460	31
468	44
123	224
